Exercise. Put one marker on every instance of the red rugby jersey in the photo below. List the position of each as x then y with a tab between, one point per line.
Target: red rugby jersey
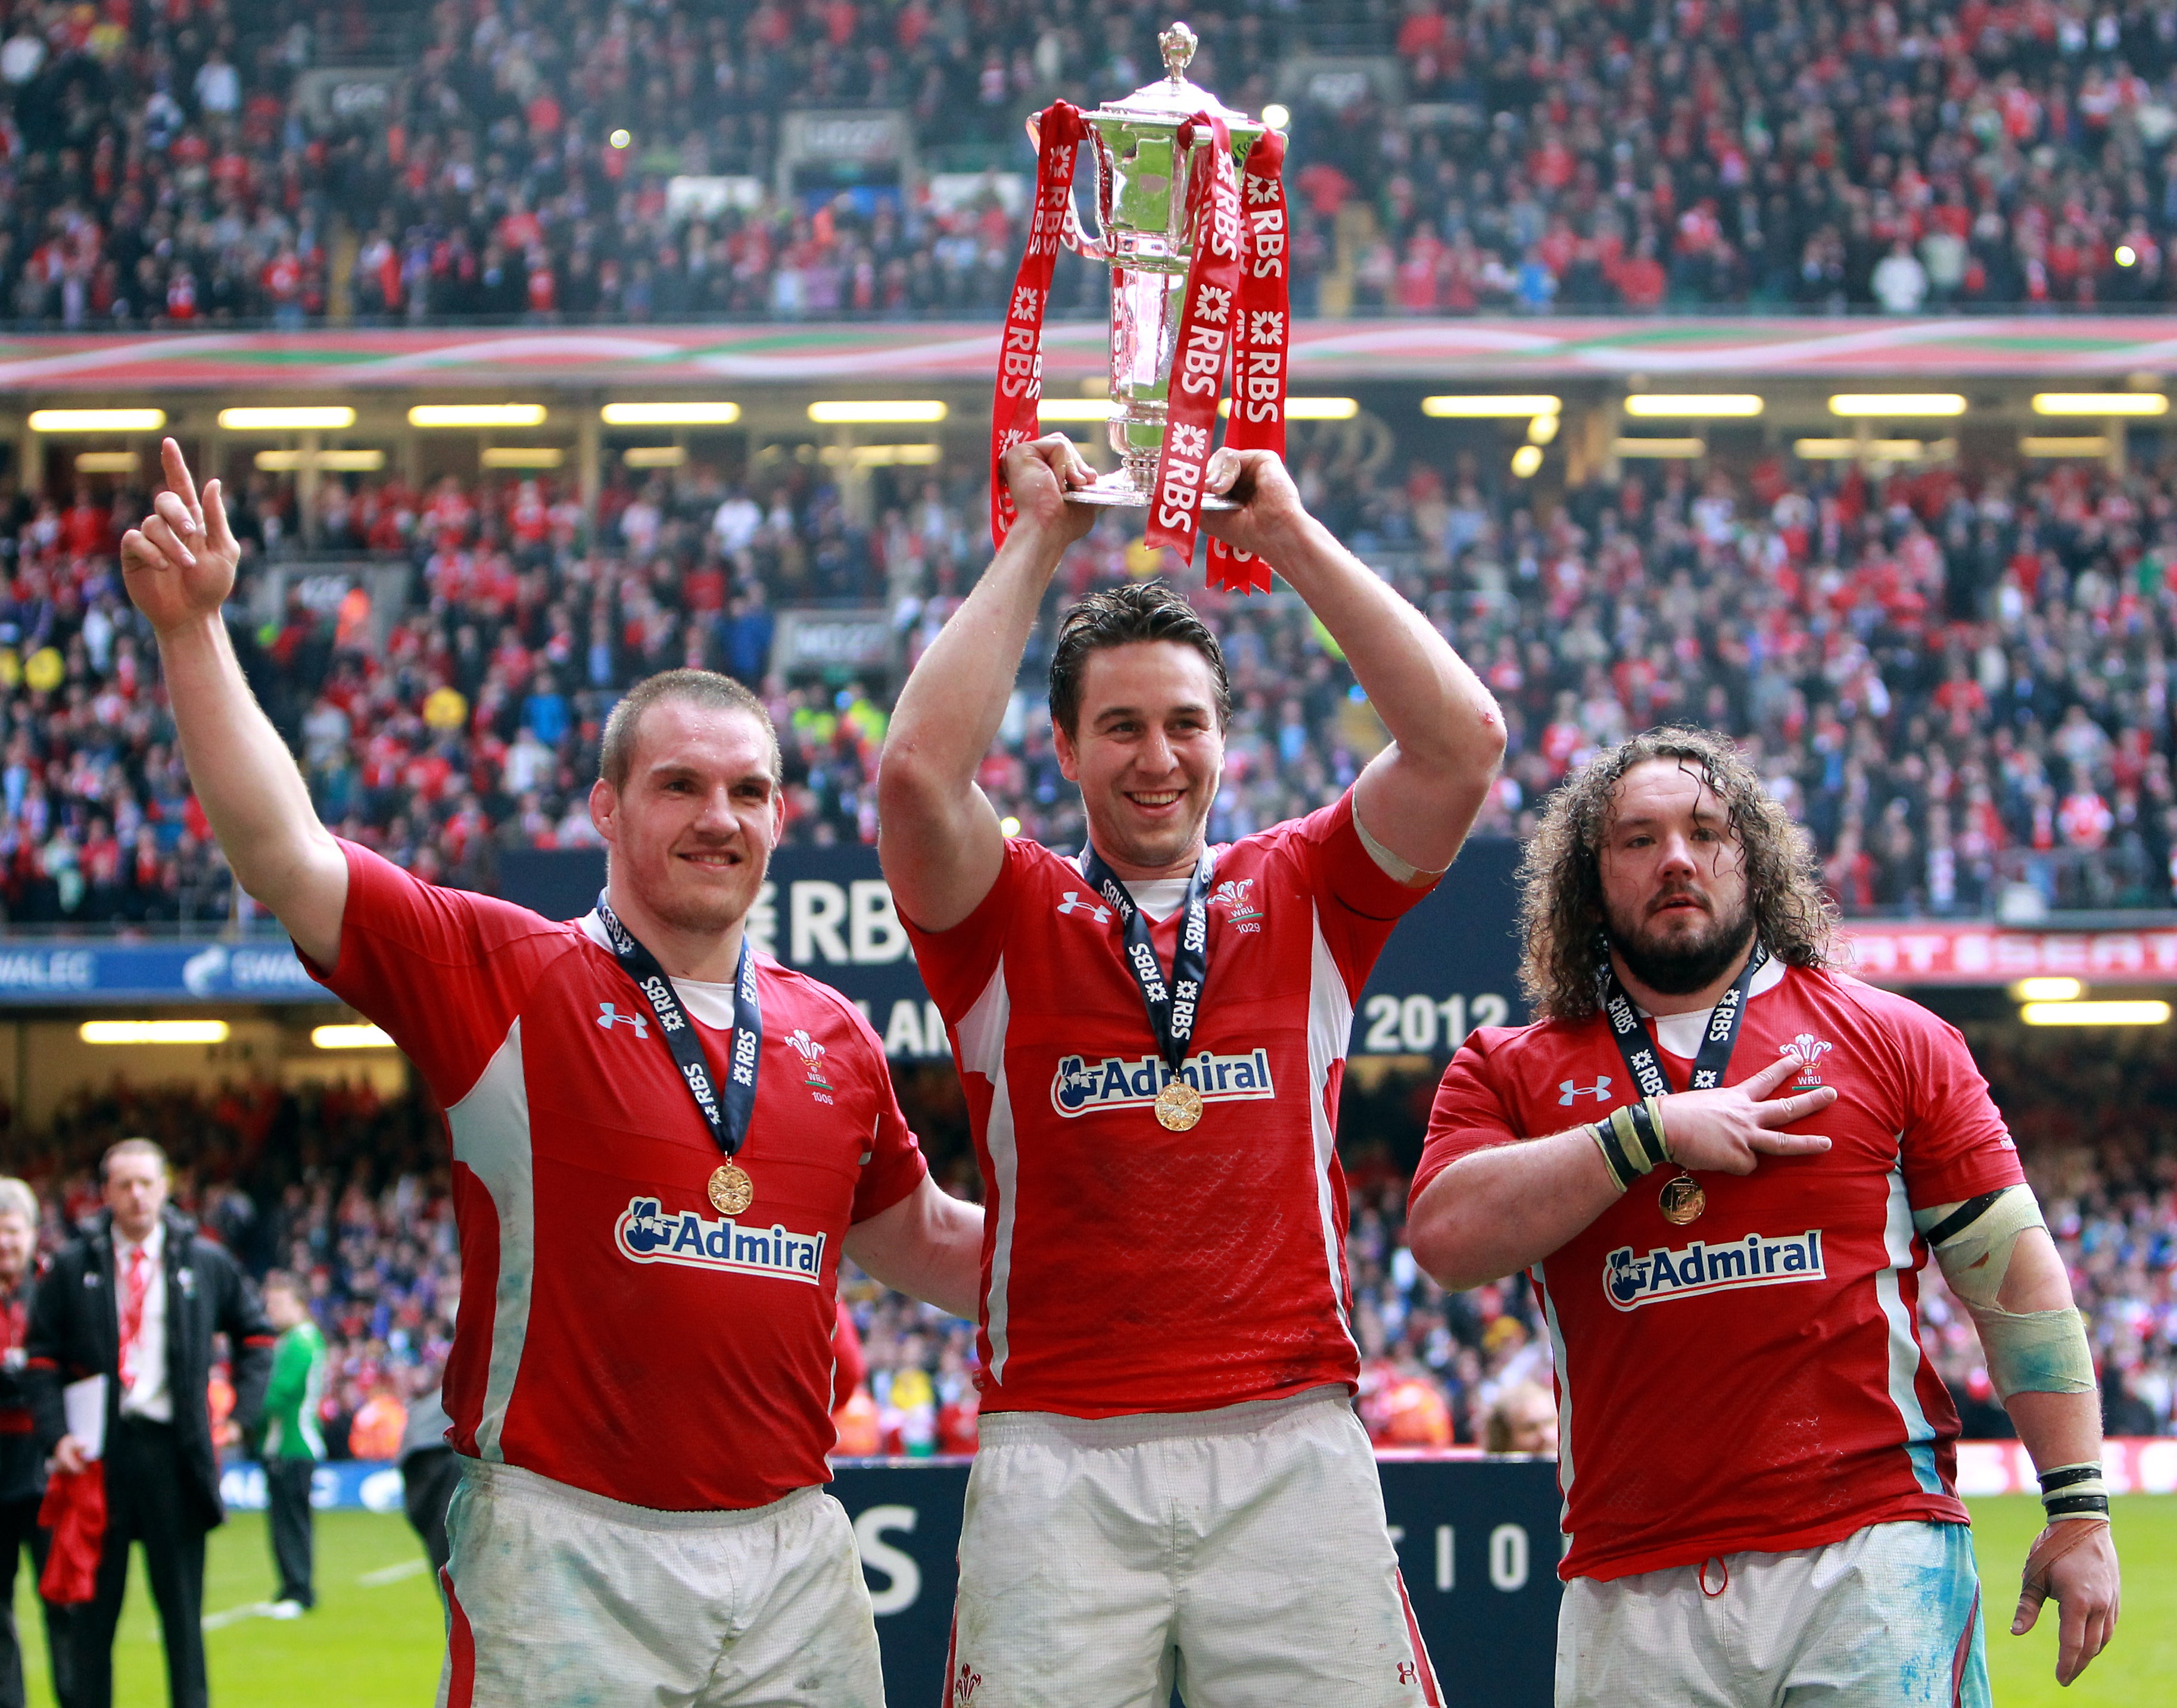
616	1333
1755	1380
1127	1269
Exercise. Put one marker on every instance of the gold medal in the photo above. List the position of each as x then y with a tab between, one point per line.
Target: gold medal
1682	1201
1178	1106
731	1189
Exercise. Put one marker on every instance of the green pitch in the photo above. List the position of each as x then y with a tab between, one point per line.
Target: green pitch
374	1641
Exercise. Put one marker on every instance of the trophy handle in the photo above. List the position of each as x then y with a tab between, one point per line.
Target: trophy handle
1070	232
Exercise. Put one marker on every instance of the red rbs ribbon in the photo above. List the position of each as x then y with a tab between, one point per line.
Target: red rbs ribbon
1205	339
1260	342
1020	358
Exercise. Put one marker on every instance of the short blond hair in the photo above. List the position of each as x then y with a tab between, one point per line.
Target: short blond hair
134	1147
712	689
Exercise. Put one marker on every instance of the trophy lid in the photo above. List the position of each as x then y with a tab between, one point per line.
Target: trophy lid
1172	98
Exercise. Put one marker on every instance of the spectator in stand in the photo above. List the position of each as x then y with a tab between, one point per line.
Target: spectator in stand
22	1466
1956	677
380	1422
1524	1420
171	165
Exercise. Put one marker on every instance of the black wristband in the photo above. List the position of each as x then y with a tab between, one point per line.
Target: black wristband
2075	1506
1613	1155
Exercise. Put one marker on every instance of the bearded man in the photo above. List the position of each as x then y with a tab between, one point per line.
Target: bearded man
1756	1454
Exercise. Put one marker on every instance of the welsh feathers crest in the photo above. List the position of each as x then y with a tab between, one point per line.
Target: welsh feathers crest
1807	1051
809	1049
1236	893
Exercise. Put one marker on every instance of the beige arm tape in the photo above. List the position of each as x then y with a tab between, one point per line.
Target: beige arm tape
2029	1352
1403	872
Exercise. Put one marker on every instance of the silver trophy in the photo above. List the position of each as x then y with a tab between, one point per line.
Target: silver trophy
1142	177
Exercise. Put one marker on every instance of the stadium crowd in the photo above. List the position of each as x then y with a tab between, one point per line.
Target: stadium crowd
178	164
350	1192
1959	681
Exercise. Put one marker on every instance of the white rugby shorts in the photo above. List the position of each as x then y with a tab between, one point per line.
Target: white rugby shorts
1240	1553
556	1596
1888	1617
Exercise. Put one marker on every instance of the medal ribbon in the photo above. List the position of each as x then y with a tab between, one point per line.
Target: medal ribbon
1205	337
1020	358
1260	341
1646	1064
1172	1004
728	1124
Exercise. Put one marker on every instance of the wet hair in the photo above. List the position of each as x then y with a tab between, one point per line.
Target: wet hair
1561	916
708	689
1119	617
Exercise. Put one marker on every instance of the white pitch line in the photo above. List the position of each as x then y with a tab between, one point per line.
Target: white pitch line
235	1616
393	1574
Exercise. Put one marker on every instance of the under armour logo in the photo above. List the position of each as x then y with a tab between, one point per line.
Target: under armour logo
608	1017
1569	1088
1096	910
1409	1673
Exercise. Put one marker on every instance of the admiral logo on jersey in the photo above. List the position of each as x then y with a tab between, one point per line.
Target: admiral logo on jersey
1756	1261
648	1234
1082	1086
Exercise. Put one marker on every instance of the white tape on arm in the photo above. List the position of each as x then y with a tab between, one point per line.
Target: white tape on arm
1403	872
2028	1351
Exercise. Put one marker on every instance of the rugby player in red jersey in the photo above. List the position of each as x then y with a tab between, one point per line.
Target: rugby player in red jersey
1725	1163
663	1142
1171	1480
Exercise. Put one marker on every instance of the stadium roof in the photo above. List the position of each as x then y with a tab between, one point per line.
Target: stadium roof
1475	350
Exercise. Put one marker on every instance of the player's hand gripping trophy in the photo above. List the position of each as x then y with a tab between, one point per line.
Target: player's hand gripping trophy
1191	218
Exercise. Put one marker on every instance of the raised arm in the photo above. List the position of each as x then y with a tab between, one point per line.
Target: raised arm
937	833
179	567
1418	796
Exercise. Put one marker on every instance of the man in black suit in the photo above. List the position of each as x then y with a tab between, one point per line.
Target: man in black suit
138	1299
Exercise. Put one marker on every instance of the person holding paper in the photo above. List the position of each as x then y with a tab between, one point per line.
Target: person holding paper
136	1301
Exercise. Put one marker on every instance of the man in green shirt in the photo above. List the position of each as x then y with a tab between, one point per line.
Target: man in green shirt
292	1444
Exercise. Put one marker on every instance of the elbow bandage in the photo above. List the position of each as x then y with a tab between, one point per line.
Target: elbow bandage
2029	1352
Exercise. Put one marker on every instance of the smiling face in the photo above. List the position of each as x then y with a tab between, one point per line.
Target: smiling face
1147	751
695	824
1674	897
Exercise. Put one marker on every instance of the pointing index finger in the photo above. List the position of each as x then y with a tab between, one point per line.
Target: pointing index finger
1769	1077
178	478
